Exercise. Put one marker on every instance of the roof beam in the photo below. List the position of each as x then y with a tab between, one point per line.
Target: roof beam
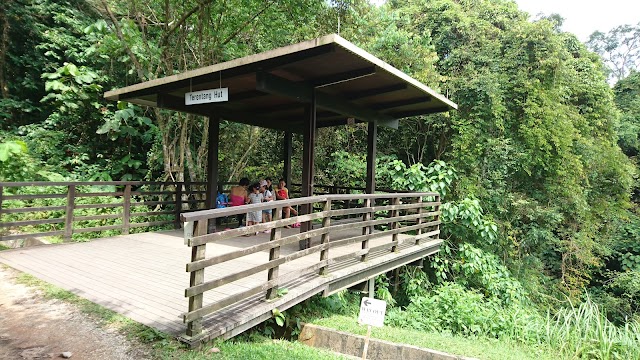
303	93
342	77
373	92
405	114
268	64
177	103
400	103
245	95
329	123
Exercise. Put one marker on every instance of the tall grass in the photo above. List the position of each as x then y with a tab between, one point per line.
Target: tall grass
585	332
574	332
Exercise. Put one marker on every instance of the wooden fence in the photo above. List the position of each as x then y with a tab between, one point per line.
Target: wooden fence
36	209
380	215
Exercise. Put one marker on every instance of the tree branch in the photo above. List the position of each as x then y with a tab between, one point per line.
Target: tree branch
172	29
133	56
246	23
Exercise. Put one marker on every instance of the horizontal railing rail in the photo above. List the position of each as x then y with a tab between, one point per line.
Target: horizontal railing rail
414	215
40	208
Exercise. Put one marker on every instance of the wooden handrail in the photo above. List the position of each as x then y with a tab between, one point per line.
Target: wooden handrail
169	196
422	222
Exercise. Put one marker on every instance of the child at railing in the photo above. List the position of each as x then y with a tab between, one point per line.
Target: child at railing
268	196
283	194
255	197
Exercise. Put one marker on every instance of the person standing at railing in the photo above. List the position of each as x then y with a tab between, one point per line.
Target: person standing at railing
283	194
255	197
238	195
268	196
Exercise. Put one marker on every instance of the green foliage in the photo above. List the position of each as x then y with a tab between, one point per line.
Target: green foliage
465	221
627	97
451	307
346	169
436	177
17	164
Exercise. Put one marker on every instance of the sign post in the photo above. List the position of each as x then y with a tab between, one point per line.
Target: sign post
372	314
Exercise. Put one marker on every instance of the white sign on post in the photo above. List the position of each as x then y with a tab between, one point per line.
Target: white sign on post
372	312
206	96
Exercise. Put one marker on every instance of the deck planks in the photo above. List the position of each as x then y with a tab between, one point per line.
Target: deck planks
142	276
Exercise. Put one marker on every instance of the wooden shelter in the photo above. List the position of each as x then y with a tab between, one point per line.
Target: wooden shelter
299	88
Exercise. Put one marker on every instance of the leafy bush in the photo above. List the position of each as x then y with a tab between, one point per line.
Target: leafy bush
16	164
453	308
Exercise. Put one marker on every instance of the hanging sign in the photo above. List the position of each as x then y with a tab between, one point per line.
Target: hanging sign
206	96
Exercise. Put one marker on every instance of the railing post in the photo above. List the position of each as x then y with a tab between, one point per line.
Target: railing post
126	210
437	210
419	231
274	254
326	222
178	209
348	202
194	327
68	221
187	191
367	229
394	224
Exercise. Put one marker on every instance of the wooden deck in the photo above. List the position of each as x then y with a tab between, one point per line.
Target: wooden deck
142	276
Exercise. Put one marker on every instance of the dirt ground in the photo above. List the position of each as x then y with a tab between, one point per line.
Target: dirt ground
33	327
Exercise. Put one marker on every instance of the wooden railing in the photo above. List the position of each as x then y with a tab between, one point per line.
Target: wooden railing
382	215
37	209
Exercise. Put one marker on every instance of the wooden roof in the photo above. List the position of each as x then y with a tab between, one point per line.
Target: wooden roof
271	89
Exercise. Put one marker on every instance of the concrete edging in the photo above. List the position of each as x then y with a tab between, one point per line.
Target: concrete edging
352	345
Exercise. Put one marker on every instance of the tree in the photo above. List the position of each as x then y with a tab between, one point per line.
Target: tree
619	49
627	97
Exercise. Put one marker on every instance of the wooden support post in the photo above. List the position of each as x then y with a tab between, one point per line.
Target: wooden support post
309	137
419	231
372	137
126	209
287	155
212	167
365	349
367	229
68	221
178	209
274	253
395	225
194	327
396	280
326	222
